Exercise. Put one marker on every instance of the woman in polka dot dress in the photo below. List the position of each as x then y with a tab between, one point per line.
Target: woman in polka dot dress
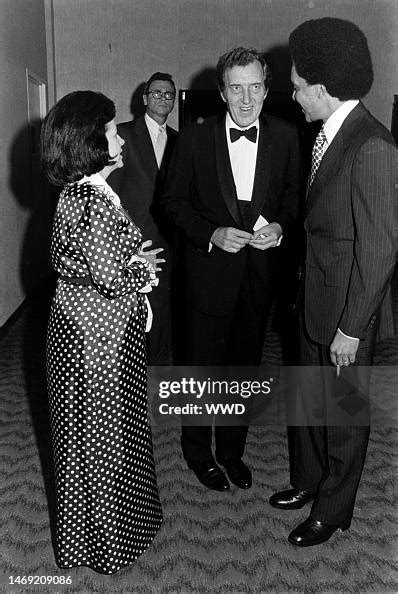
108	508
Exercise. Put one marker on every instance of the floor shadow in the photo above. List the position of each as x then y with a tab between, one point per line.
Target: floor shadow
33	194
34	353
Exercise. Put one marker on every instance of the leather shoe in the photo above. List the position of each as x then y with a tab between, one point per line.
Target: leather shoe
291	499
313	532
238	473
210	475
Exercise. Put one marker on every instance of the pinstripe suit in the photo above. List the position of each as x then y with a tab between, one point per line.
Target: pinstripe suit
351	230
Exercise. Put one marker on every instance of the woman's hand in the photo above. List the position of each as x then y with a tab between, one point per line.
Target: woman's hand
151	255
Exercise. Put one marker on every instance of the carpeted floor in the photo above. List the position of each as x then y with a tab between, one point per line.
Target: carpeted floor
209	542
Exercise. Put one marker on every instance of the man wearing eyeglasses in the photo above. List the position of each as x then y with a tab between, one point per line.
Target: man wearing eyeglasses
233	189
149	142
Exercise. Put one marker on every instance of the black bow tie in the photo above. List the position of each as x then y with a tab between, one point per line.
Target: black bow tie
250	133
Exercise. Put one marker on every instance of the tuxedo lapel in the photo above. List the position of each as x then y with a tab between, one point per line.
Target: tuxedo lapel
224	170
263	170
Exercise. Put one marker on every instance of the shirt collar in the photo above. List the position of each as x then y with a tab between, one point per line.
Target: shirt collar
335	121
152	125
229	123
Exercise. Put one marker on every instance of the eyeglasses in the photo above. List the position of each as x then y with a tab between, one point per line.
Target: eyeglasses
169	95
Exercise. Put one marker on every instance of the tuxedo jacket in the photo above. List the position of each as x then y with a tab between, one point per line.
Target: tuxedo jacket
201	196
351	230
139	183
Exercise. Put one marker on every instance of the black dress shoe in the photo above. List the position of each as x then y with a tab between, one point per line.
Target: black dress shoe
210	475
238	473
291	499
312	532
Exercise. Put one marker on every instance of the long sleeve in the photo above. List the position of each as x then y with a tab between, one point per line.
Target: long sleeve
107	245
374	206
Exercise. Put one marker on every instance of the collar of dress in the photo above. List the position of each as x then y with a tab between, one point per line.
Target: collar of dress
97	180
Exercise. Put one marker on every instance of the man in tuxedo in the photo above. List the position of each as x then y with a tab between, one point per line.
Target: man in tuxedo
149	142
351	229
232	189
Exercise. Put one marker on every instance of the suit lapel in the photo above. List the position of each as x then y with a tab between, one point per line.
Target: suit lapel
263	170
146	154
224	170
168	150
331	161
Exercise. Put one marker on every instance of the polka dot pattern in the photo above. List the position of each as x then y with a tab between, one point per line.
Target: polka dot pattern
108	508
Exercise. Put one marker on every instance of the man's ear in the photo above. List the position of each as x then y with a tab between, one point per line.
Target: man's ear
222	95
266	93
145	100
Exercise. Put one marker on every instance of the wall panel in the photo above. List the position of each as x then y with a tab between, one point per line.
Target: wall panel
112	45
22	227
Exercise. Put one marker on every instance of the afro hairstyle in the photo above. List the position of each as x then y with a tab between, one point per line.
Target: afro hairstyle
333	52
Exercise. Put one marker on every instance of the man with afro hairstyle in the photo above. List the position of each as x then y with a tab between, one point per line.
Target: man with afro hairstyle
351	227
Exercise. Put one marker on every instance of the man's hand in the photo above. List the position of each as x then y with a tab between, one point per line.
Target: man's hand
230	239
267	237
343	349
150	255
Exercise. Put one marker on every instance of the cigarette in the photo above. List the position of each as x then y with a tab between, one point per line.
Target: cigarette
338	370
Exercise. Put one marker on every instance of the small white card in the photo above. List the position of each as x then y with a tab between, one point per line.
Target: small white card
261	222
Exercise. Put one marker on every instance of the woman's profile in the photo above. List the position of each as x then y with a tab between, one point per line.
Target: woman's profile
108	508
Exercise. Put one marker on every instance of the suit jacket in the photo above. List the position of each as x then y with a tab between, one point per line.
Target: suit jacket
139	183
351	228
201	196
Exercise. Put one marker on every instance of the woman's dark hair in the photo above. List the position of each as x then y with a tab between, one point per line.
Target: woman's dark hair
241	56
73	141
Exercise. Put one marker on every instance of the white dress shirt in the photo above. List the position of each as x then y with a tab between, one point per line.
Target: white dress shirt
335	121
154	131
243	158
